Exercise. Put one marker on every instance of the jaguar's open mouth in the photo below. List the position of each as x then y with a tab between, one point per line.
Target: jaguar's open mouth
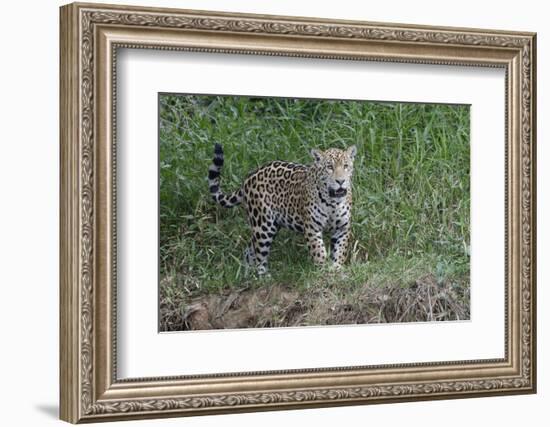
340	192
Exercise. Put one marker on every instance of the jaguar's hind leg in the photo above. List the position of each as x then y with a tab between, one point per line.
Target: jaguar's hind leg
263	233
262	247
249	258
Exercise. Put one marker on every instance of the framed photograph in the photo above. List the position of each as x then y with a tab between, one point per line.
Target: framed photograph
266	212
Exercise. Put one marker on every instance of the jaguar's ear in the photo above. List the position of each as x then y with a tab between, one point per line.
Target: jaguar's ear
316	154
352	151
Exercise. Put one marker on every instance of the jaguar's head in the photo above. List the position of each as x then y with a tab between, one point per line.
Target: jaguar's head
335	169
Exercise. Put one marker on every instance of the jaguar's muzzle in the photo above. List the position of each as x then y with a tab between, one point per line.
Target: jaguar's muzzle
337	193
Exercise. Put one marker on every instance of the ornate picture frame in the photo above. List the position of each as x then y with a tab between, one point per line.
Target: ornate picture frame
90	37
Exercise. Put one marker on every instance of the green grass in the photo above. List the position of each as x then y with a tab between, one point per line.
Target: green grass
411	189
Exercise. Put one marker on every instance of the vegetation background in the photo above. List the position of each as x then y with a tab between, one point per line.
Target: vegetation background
409	257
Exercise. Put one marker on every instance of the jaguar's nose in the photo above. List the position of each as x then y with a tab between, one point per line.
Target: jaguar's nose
340	181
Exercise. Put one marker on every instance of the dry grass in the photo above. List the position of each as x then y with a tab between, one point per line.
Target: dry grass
425	299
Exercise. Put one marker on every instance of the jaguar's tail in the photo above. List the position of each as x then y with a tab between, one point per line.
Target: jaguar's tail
229	200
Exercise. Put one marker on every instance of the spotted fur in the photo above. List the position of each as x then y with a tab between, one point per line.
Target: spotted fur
309	199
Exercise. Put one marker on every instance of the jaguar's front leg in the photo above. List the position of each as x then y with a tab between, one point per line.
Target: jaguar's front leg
316	245
339	244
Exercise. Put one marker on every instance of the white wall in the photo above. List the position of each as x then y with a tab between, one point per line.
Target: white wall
29	214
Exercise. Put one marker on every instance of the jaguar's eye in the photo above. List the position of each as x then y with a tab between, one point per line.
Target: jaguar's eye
346	167
330	168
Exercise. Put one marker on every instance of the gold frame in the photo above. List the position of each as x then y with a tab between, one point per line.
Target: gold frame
90	36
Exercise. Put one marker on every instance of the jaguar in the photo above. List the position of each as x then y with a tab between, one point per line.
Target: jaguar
309	199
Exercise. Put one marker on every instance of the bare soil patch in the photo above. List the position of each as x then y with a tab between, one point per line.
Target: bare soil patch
425	299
